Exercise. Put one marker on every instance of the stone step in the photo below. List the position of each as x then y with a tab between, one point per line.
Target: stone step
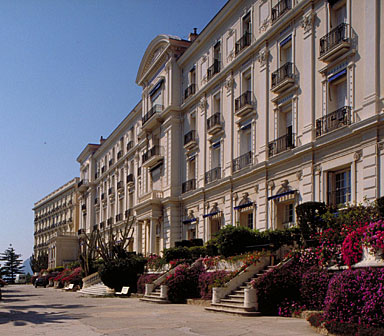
236	296
231	311
150	299
232	305
233	300
96	290
238	292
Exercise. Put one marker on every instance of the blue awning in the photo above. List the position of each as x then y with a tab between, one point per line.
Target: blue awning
242	206
281	195
157	86
188	221
286	40
337	75
211	214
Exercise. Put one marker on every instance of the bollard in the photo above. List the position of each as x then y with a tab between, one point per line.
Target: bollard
250	298
149	289
164	292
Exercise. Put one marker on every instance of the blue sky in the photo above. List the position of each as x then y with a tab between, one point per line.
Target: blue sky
68	70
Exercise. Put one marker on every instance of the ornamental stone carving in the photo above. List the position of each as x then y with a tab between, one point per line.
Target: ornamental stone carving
307	21
271	184
357	155
263	56
229	83
264	26
299	174
203	103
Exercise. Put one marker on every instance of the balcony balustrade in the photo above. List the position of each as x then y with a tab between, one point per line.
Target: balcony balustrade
190	139
243	104
213	175
281	144
119	217
214	123
110	221
188	185
189	91
242	161
333	121
213	69
283	77
127	213
335	43
152	156
243	42
282	7
82	186
154	110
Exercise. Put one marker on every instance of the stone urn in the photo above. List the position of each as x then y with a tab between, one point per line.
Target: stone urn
370	258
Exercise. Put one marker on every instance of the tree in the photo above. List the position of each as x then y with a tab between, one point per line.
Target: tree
12	264
39	263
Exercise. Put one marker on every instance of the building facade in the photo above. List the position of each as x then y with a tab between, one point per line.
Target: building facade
273	104
57	224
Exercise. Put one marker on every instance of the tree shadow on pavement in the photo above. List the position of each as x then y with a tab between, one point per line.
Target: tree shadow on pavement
21	318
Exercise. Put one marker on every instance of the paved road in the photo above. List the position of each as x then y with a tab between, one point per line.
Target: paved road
26	310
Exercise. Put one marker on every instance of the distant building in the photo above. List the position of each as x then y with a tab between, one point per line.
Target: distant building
56	225
273	104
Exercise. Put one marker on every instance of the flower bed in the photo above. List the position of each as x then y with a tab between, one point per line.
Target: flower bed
208	280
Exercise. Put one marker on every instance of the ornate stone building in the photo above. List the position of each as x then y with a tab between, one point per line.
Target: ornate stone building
273	104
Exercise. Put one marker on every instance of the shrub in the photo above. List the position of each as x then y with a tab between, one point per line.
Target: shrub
145	279
316	319
155	262
373	235
356	296
314	286
380	206
74	277
197	252
184	283
174	253
207	281
232	240
211	247
122	272
309	218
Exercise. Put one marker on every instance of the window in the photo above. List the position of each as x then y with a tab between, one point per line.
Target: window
338	13
337	91
245	139
247	28
286	50
250	220
191	166
215	155
339	187
288	214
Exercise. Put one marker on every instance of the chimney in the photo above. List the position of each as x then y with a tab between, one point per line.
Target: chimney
193	36
101	140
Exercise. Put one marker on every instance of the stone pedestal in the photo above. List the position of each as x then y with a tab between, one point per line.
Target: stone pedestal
164	292
370	259
149	289
250	298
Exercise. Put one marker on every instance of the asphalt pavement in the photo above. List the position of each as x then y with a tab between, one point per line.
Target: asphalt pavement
25	311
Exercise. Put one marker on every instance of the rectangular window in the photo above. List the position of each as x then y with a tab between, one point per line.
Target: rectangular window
339	187
250	220
288	213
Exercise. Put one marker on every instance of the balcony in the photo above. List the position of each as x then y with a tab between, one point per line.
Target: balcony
213	69
111	191
110	221
130	180
152	156
283	78
214	124
243	42
332	121
188	186
190	140
119	217
103	197
189	91
111	162
120	185
127	213
155	195
282	7
242	161
335	43
129	145
84	208
281	144
119	154
101	225
213	175
243	104
82	185
151	118
103	169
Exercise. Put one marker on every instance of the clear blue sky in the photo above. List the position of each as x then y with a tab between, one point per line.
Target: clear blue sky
68	70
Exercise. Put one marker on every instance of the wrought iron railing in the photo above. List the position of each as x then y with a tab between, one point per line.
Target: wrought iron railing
130	178
213	69
156	108
213	175
120	185
189	91
214	120
281	144
190	136
155	150
280	9
243	42
339	118
335	37
111	190
281	74
243	100
242	161
188	185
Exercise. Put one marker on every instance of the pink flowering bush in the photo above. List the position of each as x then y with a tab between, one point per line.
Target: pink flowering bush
208	280
356	296
155	262
145	279
352	248
373	235
290	308
73	277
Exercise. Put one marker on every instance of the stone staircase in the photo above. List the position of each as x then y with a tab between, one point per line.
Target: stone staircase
98	289
234	303
154	297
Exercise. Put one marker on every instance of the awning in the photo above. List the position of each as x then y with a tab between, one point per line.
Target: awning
281	195
337	75
286	40
157	86
242	206
216	144
211	214
189	221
